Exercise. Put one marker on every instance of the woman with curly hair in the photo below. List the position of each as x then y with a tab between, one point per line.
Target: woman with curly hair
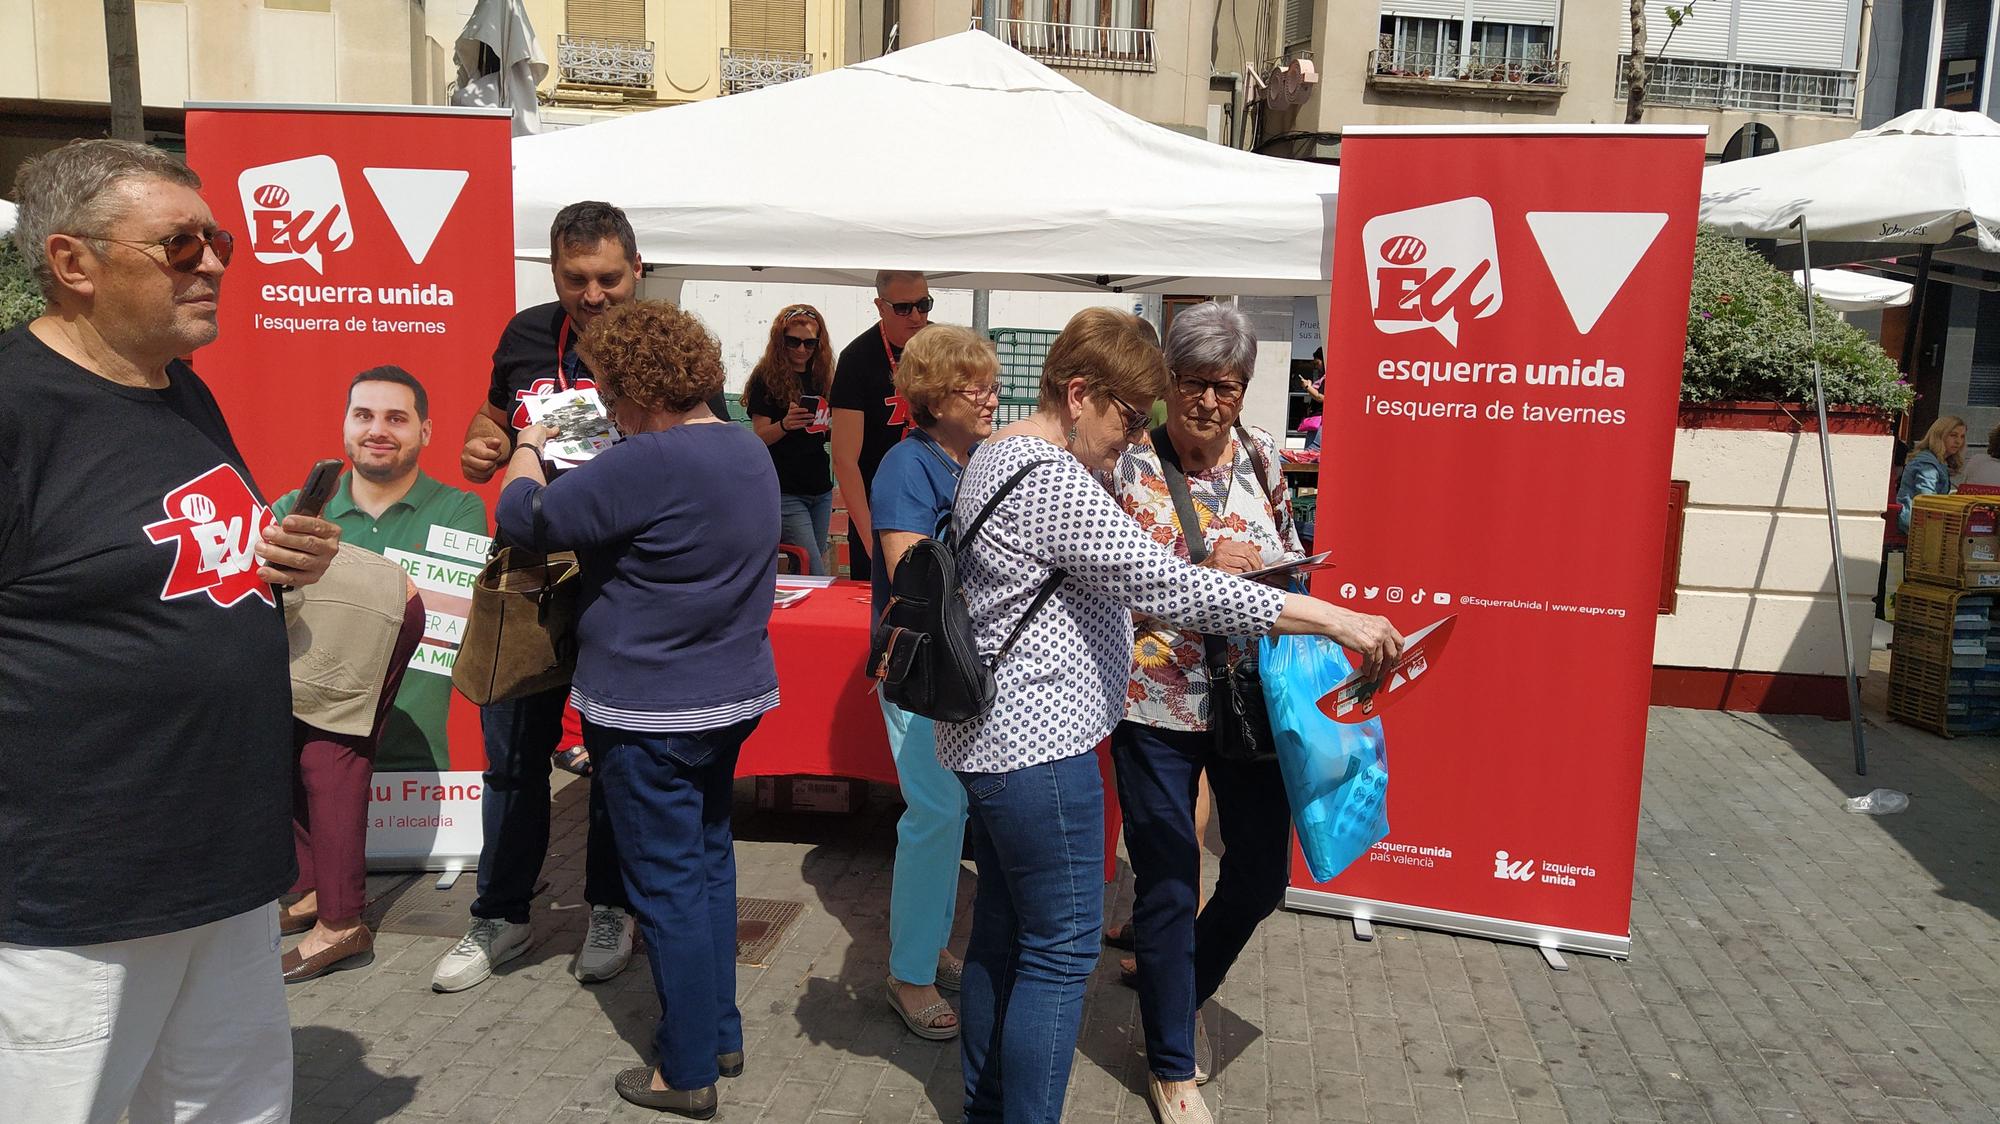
786	401
677	527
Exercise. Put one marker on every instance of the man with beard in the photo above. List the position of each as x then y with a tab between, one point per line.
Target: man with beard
390	506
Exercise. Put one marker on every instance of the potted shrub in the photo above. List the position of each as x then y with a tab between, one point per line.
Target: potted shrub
20	296
1754	620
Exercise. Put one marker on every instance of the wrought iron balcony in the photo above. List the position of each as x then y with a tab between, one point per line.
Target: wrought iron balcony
745	69
1079	46
625	64
1748	86
1532	74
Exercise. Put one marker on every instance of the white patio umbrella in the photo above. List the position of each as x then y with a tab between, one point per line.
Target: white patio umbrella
1918	180
1849	291
7	212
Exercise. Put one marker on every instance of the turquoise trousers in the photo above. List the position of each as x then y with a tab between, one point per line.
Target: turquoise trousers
930	838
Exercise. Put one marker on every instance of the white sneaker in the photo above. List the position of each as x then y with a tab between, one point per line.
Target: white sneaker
485	946
607	947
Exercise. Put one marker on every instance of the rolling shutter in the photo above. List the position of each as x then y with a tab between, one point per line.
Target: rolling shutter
1300	16
1703	35
1797	33
1514	11
767	25
605	19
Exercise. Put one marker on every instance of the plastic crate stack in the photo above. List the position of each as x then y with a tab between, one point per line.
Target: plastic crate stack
1944	671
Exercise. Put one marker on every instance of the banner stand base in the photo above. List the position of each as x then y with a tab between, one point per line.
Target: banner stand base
1547	939
450	874
1364	929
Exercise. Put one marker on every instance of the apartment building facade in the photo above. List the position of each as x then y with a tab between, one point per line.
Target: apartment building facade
1760	74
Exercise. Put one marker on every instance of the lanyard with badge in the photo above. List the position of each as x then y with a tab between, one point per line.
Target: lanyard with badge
899	407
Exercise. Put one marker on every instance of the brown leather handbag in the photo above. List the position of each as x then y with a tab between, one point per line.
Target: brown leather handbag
520	638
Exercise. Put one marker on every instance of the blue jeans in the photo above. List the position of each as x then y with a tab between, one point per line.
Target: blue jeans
1182	959
520	735
930	838
669	796
1038	836
805	520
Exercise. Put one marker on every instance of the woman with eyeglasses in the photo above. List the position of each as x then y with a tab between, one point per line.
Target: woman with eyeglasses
1227	475
1059	541
950	377
786	401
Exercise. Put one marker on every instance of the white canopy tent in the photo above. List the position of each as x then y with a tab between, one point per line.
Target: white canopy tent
1017	179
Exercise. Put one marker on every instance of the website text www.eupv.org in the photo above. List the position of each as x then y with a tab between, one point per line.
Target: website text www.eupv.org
1539	606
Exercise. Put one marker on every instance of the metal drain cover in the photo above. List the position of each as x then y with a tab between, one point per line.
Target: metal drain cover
761	924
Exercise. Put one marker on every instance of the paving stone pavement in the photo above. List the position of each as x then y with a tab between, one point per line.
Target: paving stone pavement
1791	962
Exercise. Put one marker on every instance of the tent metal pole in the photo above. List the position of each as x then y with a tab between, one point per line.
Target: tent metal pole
1912	334
1833	508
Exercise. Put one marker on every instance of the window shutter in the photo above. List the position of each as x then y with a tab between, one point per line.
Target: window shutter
767	25
605	19
1300	15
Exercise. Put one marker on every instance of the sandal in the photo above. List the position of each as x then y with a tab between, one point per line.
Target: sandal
923	1023
1119	936
950	975
1128	972
575	759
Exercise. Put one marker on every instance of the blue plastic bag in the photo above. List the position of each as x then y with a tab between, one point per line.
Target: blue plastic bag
1336	773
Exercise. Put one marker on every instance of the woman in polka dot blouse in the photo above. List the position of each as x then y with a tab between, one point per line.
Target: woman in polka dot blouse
1036	798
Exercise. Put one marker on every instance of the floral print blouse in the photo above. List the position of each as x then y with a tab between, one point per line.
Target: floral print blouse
1169	684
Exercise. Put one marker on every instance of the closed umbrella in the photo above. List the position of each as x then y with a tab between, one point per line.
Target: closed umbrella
1849	291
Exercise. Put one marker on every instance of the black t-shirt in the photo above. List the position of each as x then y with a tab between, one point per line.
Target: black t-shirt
145	694
800	455
864	381
525	364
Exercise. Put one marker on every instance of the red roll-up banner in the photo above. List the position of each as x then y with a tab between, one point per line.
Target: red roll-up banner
369	237
1503	370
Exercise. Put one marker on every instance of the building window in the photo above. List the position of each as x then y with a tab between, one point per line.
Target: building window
1420	47
1300	15
1082	34
1512	40
605	19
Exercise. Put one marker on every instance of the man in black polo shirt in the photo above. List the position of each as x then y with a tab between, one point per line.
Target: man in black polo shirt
145	690
868	417
595	259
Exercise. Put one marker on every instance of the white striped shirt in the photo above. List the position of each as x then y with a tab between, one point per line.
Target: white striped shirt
674	721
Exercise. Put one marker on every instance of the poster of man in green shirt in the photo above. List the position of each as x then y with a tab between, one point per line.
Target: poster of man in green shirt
386	504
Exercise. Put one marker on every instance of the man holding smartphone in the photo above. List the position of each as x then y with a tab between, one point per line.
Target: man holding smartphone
868	417
144	653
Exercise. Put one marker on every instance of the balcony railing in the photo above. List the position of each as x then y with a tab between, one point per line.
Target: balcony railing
1533	74
745	69
621	63
1079	46
1748	86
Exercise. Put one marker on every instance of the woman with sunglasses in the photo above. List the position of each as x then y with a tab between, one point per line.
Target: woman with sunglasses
786	401
1059	540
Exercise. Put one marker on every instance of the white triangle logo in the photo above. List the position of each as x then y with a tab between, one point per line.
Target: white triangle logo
417	201
1591	254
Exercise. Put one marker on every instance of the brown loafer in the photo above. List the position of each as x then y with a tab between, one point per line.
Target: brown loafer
730	1064
636	1085
356	950
292	924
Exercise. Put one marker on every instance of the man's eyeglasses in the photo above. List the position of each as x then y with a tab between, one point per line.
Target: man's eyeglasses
904	308
1135	420
1226	391
183	249
810	343
979	394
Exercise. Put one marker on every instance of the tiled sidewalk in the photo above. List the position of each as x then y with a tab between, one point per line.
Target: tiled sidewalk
1791	962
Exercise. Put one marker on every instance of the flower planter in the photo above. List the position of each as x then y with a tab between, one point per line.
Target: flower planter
1755	624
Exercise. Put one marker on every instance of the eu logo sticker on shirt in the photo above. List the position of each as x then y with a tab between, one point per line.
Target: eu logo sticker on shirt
214	520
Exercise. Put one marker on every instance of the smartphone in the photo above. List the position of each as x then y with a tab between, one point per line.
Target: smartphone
318	488
810	402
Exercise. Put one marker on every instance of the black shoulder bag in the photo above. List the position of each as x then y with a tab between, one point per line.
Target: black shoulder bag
923	651
1236	713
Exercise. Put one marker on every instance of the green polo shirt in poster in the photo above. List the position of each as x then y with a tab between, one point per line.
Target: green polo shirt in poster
438	535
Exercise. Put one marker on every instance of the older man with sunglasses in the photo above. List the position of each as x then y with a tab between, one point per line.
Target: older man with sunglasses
142	655
867	416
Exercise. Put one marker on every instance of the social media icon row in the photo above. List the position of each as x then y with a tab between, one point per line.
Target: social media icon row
1394	595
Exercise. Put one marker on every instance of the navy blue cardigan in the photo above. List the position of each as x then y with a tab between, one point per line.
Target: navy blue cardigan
678	534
